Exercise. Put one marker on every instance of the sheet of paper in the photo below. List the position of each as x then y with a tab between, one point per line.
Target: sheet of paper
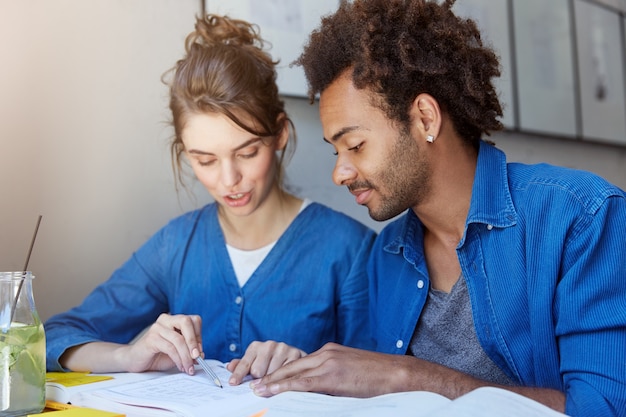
490	401
305	404
483	402
182	393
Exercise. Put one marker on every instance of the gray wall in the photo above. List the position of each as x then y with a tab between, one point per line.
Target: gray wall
83	136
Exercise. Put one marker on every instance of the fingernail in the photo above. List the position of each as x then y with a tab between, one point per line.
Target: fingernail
195	353
232	381
259	389
191	370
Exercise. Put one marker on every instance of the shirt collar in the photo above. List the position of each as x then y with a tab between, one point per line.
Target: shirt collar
491	198
491	203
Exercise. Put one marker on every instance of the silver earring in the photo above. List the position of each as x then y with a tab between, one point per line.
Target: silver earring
430	138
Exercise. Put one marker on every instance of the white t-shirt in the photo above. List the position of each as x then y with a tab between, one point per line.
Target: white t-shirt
245	262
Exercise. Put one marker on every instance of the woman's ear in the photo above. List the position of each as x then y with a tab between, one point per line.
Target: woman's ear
283	136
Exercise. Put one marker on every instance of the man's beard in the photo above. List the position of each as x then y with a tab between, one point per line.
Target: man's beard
402	181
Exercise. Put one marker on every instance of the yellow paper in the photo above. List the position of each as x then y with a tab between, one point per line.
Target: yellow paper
55	406
72	379
79	412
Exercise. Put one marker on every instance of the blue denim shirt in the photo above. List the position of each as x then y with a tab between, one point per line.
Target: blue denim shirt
310	289
544	256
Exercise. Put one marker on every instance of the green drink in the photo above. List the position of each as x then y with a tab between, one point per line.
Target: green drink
22	370
22	351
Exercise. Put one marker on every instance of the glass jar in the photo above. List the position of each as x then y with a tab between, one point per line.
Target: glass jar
22	347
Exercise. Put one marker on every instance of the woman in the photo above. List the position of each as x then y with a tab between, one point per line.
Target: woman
259	271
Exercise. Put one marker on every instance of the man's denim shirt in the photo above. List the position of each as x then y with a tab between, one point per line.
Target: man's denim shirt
544	256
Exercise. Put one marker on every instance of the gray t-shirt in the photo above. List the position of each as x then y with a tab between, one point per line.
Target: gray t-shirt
445	334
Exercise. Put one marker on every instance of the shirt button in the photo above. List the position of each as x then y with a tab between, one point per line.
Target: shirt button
489	226
399	344
232	347
420	284
238	300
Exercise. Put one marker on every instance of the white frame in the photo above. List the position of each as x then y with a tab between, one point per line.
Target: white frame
286	25
492	18
545	67
601	73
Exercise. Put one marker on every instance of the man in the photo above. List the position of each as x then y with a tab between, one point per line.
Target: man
499	274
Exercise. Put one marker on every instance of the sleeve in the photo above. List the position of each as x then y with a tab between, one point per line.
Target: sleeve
118	309
354	327
591	313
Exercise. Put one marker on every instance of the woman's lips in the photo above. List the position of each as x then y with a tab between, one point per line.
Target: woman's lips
237	199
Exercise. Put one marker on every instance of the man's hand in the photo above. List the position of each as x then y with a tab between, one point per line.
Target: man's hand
337	370
340	370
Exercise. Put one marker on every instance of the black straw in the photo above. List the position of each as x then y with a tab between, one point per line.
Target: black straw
19	288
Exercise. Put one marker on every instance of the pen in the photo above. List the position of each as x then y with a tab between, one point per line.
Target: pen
209	371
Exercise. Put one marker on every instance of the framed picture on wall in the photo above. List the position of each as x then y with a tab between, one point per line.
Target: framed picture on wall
615	4
286	25
601	72
545	67
492	18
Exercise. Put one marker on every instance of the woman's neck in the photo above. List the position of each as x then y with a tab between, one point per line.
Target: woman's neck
262	227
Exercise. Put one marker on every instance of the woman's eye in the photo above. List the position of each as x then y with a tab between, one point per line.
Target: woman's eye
249	154
205	163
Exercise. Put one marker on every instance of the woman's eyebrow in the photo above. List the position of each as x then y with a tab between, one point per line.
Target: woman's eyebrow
243	145
247	143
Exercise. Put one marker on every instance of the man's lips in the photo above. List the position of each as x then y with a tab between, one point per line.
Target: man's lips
362	195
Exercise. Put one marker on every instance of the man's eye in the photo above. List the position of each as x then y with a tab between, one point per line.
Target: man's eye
356	148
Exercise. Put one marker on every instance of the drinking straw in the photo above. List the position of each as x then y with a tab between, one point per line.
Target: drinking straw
19	288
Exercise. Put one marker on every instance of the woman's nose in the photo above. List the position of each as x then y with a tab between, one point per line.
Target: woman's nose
230	174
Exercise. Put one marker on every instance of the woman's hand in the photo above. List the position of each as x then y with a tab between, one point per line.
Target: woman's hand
170	341
262	358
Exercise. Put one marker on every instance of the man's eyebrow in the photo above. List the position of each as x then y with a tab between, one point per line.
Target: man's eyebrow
342	132
243	145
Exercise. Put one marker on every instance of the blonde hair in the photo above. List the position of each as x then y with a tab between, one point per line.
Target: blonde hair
226	70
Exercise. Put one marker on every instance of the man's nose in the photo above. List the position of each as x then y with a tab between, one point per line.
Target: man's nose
343	173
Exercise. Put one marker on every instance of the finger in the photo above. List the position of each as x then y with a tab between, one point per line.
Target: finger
265	353
281	355
289	370
197	324
232	364
241	369
190	327
176	330
304	383
156	344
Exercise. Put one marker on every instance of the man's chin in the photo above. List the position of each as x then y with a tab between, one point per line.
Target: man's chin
383	215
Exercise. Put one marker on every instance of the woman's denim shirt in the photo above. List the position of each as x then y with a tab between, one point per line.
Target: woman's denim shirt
311	288
544	256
